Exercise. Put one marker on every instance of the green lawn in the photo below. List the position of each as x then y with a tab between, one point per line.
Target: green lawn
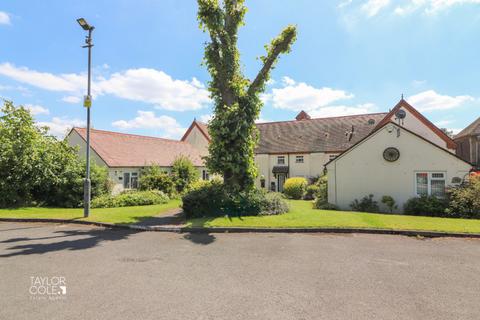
123	215
302	215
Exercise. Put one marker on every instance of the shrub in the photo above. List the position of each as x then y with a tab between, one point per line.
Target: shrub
465	200
130	198
324	206
294	188
154	178
274	204
204	200
184	173
366	204
390	203
425	206
210	199
311	192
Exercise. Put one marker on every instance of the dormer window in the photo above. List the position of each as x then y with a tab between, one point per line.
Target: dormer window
281	160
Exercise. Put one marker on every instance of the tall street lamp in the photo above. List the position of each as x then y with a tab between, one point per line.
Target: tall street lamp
87	103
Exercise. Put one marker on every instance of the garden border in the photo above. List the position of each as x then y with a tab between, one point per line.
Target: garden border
410	233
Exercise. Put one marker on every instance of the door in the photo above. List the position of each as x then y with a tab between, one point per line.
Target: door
126	180
280	181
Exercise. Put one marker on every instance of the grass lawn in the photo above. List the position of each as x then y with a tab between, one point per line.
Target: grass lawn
303	215
123	215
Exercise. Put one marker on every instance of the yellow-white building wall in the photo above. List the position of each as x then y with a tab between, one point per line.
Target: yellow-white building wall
362	170
198	140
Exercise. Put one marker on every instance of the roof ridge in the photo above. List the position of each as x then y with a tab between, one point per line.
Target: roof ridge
334	117
130	134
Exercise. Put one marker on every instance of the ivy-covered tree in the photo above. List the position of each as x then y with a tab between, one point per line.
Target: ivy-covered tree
236	98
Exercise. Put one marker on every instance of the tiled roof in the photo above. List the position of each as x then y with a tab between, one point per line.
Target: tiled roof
472	129
334	134
128	150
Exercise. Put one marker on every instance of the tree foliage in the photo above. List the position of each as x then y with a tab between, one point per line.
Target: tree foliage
155	178
184	173
236	98
36	168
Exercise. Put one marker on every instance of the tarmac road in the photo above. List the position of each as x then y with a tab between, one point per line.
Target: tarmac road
120	274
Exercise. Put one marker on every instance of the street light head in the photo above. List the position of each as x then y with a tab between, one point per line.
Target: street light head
84	24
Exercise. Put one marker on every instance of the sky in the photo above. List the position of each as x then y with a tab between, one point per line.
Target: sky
350	57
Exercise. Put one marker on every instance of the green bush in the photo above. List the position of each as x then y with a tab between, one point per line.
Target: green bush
154	178
425	206
37	169
465	200
366	204
130	198
184	173
295	188
210	199
311	192
324	205
274	204
390	203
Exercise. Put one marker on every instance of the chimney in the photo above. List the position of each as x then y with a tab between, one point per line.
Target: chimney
302	116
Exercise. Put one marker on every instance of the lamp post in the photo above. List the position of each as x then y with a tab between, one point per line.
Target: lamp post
87	103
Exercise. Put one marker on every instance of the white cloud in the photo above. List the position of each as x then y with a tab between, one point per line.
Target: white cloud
158	88
71	99
64	82
344	4
36	109
443	123
341	110
206	118
59	127
430	100
4	18
301	96
288	81
372	7
455	130
168	126
430	7
143	84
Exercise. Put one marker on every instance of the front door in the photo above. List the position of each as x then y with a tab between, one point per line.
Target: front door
280	181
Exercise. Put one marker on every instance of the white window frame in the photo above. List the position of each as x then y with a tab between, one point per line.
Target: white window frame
299	159
283	160
429	180
205	175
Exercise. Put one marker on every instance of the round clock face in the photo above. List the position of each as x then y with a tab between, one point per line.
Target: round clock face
391	154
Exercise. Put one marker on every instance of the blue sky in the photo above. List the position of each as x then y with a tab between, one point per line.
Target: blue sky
350	57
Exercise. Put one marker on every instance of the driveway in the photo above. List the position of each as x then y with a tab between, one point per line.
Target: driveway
119	274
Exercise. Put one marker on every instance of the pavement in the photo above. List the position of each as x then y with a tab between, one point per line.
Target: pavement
125	274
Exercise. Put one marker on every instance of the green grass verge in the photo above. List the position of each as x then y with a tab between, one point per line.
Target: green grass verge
302	215
123	215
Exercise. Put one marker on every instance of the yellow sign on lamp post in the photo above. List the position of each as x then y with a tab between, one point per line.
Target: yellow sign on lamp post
87	101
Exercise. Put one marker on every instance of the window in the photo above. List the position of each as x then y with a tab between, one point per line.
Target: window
205	175
281	160
126	180
134	180
262	183
298	159
430	183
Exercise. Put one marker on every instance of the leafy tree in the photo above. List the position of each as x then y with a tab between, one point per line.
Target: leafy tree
36	168
236	98
184	173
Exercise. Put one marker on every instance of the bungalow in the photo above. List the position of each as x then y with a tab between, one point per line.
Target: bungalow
468	143
125	155
302	147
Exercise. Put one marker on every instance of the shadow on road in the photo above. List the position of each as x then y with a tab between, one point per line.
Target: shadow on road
200	238
83	239
173	218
